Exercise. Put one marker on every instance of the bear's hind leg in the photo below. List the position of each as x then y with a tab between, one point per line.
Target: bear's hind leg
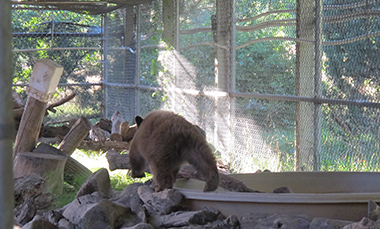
162	177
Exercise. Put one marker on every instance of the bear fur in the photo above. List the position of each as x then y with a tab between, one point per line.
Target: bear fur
165	141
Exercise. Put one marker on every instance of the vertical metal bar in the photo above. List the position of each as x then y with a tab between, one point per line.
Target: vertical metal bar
105	65
225	75
138	56
6	118
52	30
305	86
317	84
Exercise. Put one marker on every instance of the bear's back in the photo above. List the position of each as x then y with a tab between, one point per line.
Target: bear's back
165	127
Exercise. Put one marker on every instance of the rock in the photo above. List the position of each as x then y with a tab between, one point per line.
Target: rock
139	226
39	224
129	197
324	223
65	224
27	187
44	201
365	223
53	216
187	218
284	189
98	181
102	215
25	212
71	208
373	211
231	222
160	203
275	221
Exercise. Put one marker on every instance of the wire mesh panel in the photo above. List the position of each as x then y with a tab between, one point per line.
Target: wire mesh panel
278	85
351	36
120	62
70	39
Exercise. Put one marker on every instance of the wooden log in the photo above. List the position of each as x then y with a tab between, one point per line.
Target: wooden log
75	136
97	134
107	145
115	137
54	131
105	124
124	128
43	82
127	132
131	132
48	166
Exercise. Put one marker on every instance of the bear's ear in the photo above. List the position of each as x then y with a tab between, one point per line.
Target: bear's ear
138	120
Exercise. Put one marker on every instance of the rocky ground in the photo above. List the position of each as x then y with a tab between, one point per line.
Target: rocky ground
138	206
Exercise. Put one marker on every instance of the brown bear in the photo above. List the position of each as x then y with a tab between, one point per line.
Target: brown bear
165	141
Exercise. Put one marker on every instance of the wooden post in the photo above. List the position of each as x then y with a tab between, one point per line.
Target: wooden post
6	118
43	82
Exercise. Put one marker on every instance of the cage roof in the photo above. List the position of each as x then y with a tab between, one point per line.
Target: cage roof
85	7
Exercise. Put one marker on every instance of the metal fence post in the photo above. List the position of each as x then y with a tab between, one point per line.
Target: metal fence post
6	118
317	85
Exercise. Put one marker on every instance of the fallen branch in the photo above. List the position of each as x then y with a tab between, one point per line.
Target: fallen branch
60	102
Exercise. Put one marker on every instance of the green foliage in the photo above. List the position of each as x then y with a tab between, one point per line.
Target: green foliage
120	180
81	62
350	133
71	187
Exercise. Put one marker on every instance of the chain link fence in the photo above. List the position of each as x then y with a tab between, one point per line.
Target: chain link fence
279	85
73	41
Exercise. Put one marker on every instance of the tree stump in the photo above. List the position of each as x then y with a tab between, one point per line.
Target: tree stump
48	166
73	169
